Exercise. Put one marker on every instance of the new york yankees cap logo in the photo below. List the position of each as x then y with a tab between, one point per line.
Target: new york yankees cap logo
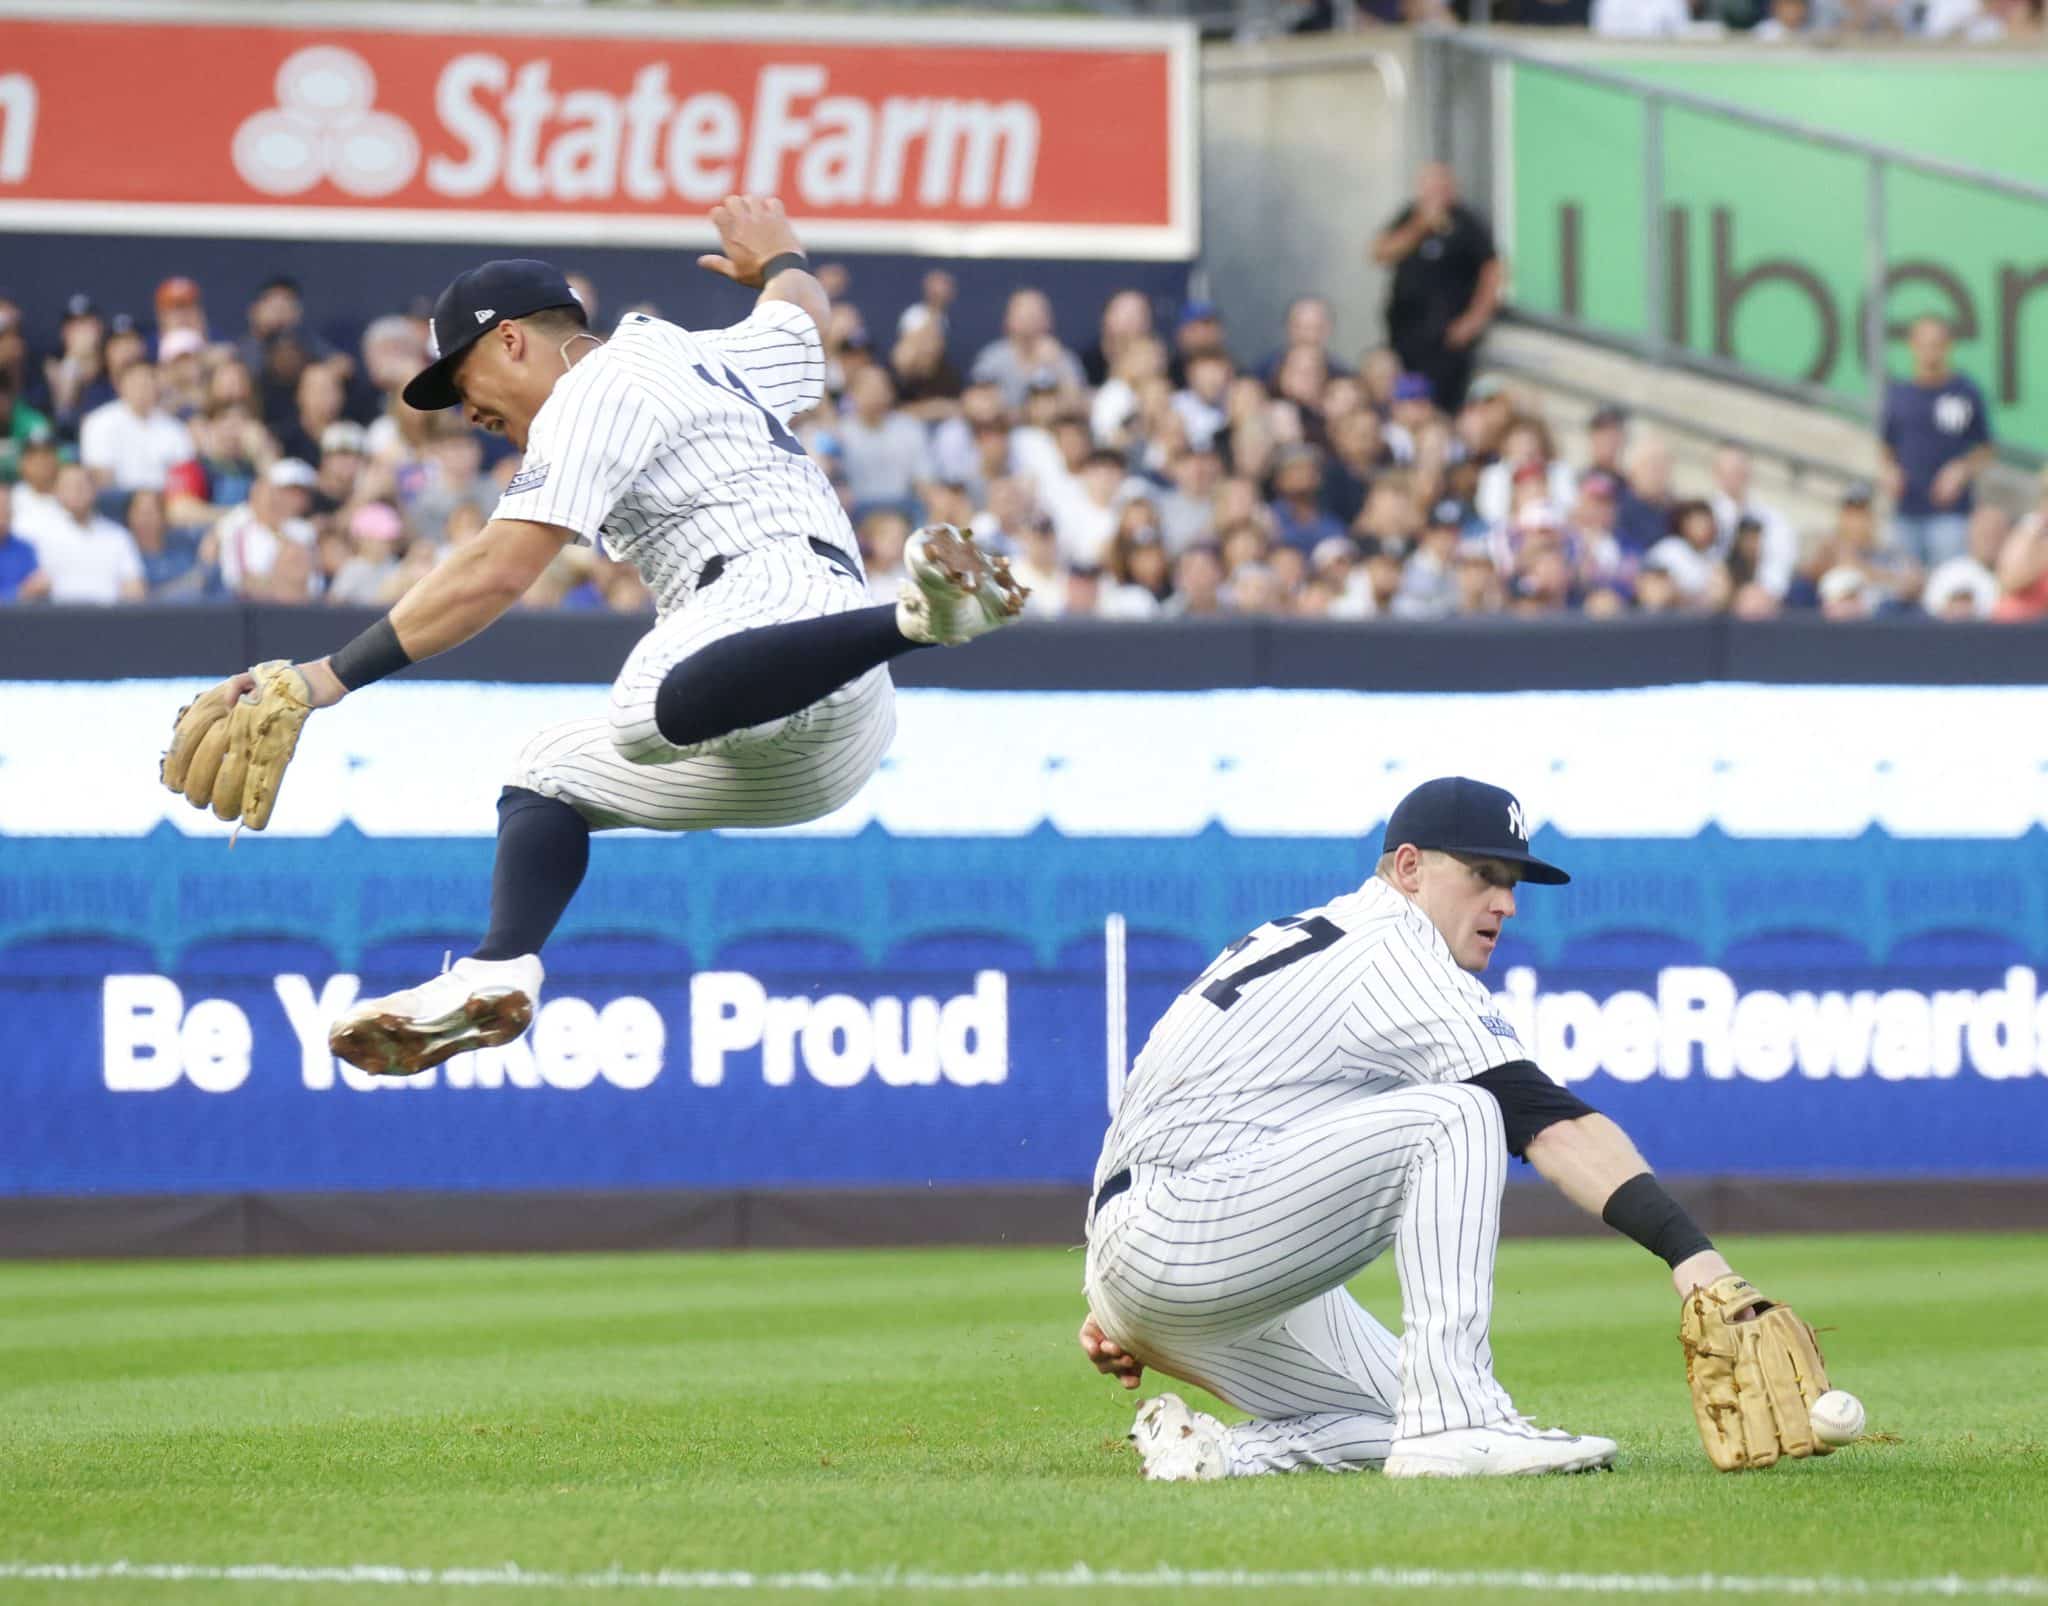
1454	814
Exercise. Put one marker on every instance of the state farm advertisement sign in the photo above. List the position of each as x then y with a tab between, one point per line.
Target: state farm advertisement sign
1067	138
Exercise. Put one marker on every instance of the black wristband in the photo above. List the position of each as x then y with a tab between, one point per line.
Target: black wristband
1642	1210
371	656
783	264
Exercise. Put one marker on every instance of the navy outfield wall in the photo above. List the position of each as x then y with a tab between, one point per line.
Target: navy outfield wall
346	284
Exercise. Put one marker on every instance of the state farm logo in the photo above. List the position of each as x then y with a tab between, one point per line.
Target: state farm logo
324	126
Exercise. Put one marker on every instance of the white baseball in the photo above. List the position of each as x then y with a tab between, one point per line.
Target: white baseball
1837	1417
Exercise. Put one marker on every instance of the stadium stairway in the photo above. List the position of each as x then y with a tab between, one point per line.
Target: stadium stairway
1804	456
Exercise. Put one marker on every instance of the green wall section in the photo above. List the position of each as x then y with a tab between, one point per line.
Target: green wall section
1772	231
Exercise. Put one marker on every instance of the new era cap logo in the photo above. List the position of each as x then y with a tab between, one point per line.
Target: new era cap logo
487	315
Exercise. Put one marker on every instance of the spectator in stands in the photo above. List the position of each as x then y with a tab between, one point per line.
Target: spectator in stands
1966	587
16	376
1203	403
1357	452
1198	332
933	306
1258	428
132	443
1690	554
1447	280
1733	502
1197	584
370	574
886	450
452	476
1607	443
1301	380
169	552
1039	567
1478	579
884	532
393	350
1981	21
344	452
35	492
1888	575
2022	566
1936	439
1114	412
248	541
1789	19
89	558
1186	516
1528	447
1641	19
318	402
179	307
181	373
1644	508
928	386
18	423
1309	327
22	577
1429	582
1027	350
279	313
1126	320
1138	572
1299	517
75	379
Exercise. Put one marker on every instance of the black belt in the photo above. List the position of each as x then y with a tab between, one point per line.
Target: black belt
1111	1187
825	549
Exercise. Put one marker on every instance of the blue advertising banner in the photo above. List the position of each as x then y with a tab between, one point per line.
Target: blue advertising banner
1837	975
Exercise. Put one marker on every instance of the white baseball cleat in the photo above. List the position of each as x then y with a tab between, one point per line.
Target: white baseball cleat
954	590
475	1003
1511	1449
1178	1445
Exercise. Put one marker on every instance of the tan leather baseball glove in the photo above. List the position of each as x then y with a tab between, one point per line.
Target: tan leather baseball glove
1753	1377
231	744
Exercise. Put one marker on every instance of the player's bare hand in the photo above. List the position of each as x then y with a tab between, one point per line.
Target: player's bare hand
753	231
1108	1357
327	687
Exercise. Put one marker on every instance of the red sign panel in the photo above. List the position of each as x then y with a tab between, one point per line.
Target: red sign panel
1041	139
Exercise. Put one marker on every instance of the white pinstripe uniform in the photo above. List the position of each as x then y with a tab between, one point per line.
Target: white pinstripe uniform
1302	1106
673	447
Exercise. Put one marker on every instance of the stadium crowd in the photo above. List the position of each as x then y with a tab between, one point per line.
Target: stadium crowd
1141	467
2018	22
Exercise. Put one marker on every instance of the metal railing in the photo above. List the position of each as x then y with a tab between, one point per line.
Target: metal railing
1461	126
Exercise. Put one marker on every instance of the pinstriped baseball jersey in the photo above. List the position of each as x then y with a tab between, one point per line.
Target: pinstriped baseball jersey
1305	1014
675	447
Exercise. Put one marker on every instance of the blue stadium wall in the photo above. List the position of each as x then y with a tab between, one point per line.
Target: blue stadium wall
1806	943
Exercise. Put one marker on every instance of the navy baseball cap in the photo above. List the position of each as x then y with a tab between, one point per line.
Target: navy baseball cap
476	303
1456	815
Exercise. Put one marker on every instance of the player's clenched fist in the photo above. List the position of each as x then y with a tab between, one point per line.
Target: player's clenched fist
230	746
754	231
1109	1357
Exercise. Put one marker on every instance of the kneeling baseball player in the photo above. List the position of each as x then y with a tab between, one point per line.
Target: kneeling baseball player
761	696
1335	1084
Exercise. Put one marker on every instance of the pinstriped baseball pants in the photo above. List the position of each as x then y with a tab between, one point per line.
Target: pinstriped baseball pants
1230	1274
618	770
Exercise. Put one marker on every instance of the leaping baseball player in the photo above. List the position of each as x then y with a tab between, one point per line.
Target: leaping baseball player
1336	1084
760	697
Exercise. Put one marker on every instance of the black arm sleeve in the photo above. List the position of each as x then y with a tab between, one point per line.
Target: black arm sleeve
1529	1101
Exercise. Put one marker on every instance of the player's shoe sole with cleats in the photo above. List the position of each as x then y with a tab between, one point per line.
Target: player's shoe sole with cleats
1505	1450
475	1003
1178	1445
954	590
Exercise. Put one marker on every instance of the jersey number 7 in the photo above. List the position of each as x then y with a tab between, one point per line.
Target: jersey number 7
778	431
1317	933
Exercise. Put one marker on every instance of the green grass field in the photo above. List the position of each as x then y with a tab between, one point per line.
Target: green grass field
875	1417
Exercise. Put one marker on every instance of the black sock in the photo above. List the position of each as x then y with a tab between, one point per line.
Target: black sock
772	672
543	850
